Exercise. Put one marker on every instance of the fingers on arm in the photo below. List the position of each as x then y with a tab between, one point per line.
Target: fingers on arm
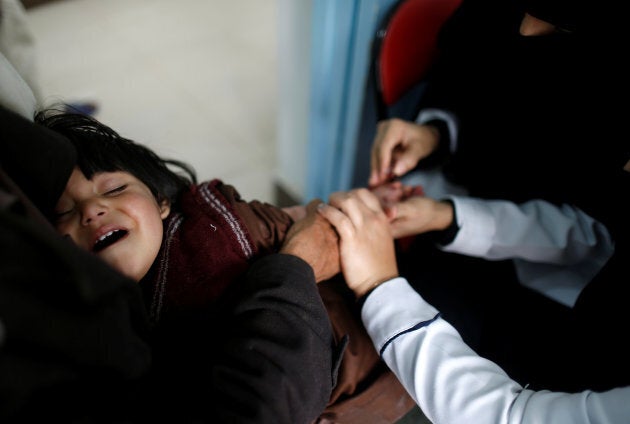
381	155
368	199
337	219
361	208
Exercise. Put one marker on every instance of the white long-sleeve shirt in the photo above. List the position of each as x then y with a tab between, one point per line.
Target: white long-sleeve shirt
556	250
452	384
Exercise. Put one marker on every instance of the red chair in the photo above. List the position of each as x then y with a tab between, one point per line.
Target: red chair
405	46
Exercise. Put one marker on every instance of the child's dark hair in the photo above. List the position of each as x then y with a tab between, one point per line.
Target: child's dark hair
101	149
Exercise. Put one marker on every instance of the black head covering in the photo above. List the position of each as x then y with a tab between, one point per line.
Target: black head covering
38	160
602	18
565	14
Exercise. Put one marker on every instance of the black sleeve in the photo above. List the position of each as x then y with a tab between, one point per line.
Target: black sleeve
73	331
37	159
277	364
443	149
262	354
447	235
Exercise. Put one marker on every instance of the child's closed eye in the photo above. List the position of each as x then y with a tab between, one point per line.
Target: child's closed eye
116	190
60	216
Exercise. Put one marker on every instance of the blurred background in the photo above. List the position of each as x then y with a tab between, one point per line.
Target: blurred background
194	80
272	96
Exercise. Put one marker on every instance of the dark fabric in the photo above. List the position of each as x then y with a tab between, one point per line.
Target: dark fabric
534	115
536	121
444	144
601	311
262	354
447	235
601	19
572	15
38	160
73	332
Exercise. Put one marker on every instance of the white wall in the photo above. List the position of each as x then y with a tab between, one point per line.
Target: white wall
294	38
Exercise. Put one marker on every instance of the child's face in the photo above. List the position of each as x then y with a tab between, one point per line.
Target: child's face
115	216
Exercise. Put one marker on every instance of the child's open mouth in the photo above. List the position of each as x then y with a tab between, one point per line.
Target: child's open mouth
108	239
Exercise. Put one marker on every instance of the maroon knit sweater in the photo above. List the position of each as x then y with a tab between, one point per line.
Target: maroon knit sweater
208	244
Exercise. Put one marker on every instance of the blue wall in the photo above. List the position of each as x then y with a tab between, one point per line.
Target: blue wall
342	33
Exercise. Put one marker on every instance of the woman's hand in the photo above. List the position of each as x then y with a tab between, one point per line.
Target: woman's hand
409	211
419	214
397	148
366	245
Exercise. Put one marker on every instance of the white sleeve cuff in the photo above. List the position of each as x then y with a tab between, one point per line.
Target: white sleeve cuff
476	227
